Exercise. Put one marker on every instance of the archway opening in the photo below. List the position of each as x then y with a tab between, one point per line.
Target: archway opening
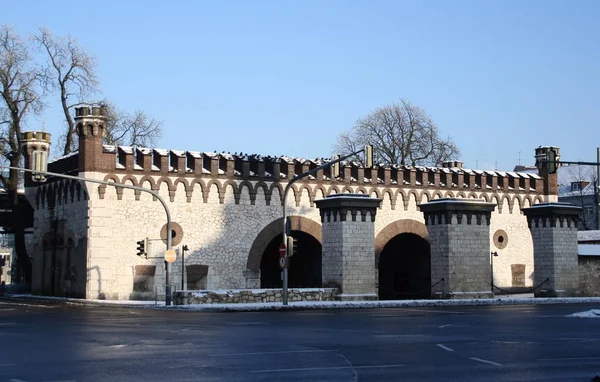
305	265
405	268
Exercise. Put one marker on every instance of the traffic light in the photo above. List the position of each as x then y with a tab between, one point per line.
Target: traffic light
335	168
141	247
292	246
552	162
369	156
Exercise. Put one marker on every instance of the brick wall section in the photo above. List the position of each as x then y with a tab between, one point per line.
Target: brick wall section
554	233
459	234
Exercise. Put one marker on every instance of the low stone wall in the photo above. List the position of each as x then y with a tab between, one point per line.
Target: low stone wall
589	275
252	296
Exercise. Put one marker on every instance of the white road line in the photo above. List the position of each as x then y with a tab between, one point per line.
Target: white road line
444	326
446	348
325	368
566	358
398	335
486	361
16	380
247	323
269	352
66	380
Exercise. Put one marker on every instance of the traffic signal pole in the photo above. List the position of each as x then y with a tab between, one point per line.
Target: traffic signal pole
284	293
155	194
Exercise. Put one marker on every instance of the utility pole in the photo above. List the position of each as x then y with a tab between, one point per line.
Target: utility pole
597	188
368	163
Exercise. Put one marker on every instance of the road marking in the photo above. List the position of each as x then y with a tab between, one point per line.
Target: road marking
566	358
425	310
270	352
444	326
326	368
399	335
117	346
136	313
16	380
247	323
486	361
444	347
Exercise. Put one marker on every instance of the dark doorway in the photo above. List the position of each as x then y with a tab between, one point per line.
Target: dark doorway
305	266
405	268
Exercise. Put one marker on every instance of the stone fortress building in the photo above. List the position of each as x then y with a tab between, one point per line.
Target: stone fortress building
227	210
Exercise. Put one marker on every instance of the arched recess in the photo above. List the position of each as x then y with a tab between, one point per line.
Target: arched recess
275	228
396	228
305	266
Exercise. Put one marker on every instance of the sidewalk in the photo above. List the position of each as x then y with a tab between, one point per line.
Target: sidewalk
521	299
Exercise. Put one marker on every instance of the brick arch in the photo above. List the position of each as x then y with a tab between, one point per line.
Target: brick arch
275	228
396	228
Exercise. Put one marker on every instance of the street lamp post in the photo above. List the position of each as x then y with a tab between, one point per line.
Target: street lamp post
369	161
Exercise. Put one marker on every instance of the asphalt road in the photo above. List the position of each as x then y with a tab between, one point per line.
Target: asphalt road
56	342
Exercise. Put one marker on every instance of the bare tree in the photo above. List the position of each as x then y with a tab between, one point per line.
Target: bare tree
136	129
577	186
20	95
71	72
400	133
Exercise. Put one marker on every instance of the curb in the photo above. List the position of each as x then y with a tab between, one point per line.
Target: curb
304	305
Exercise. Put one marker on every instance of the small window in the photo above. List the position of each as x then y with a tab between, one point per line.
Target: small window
575	186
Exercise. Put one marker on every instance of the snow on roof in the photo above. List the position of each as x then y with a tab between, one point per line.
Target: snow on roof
179	153
195	154
161	152
109	148
64	157
126	149
592	235
145	150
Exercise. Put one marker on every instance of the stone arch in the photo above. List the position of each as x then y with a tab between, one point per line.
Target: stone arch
415	194
264	237
347	189
361	190
149	179
374	190
186	186
519	200
279	188
130	178
301	191
333	188
425	194
251	191
461	194
473	195
510	204
165	179
449	194
496	199
538	199
266	191
437	194
321	188
396	228
485	197
220	190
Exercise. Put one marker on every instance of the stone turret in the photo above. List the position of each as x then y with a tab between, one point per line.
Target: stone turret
36	147
90	123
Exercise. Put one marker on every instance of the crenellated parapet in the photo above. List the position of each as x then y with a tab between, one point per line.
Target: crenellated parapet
193	164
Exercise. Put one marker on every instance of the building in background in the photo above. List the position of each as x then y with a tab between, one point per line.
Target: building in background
578	185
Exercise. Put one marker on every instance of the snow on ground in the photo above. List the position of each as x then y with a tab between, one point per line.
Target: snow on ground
594	313
523	299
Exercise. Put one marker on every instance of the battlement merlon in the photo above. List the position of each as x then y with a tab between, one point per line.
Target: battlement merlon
124	160
159	162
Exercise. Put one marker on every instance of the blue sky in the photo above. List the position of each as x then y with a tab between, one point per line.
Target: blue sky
286	77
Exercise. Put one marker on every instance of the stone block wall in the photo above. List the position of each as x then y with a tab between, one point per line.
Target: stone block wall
589	275
252	296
